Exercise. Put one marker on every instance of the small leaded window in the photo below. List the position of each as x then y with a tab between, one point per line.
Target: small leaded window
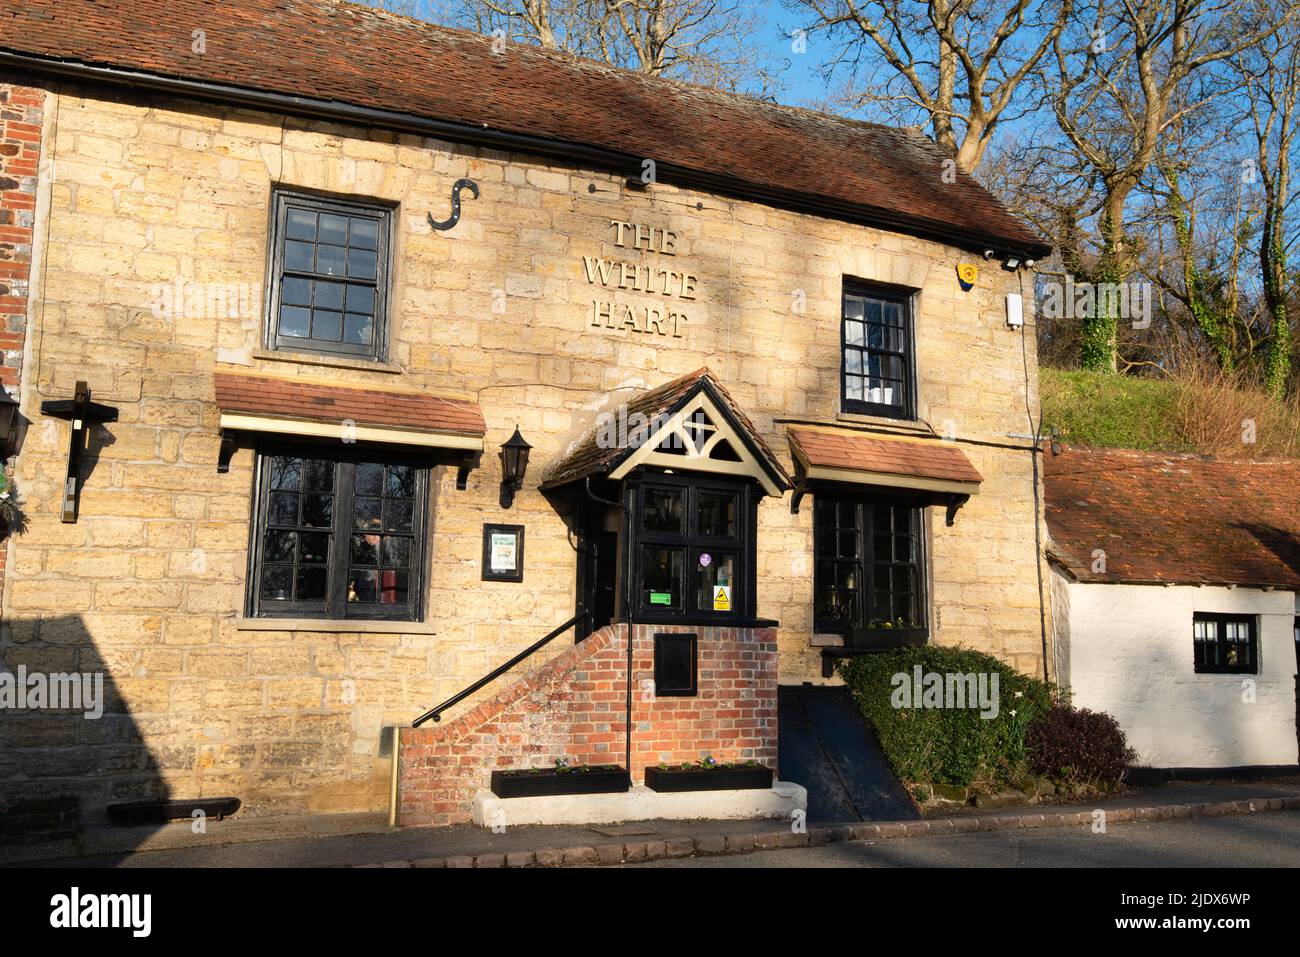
337	537
876	371
1224	644
869	572
691	542
329	276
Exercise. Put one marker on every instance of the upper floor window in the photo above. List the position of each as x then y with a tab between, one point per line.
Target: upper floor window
877	375
329	279
337	536
1224	644
869	573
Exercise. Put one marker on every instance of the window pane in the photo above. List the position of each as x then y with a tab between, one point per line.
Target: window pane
318	475
854	334
365	550
333	229
329	295
362	264
399	516
329	260
358	330
393	587
298	256
301	224
715	581
853	388
362	585
838	592
661	578
370	479
663	510
277	581
366	512
853	307
853	361
312	582
318	511
365	233
296	291
327	326
361	299
313	547
280	546
397	552
283	509
286	473
717	514
295	321
401	482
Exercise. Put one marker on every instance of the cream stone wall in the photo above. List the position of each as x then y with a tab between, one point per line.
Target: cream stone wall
150	582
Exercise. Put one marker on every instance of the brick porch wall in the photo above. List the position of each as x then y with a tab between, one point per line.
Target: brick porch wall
574	707
21	115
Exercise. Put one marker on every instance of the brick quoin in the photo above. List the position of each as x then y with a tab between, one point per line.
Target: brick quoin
21	116
574	707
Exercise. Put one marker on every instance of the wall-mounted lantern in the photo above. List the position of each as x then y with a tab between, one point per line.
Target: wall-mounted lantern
9	424
514	463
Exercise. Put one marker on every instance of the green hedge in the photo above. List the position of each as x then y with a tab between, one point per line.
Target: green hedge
947	745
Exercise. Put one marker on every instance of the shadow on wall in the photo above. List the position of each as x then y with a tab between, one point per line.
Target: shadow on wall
69	746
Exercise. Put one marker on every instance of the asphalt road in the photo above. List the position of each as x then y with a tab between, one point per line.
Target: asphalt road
1256	840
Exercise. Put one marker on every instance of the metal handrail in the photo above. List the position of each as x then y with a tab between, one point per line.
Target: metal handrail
436	713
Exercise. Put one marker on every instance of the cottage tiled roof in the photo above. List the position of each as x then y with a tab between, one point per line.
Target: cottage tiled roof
328	51
294	398
857	451
588	457
1160	517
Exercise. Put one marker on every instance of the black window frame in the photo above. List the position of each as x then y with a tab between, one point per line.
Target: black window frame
1221	620
692	544
864	562
906	410
335	606
282	200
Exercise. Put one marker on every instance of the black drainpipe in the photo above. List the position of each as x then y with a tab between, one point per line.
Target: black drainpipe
627	737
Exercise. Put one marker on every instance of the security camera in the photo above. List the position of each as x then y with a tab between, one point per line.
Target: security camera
1030	263
989	254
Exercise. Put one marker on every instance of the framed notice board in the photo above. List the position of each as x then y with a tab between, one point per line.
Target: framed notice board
503	553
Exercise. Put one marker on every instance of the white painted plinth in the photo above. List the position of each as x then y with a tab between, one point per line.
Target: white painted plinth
640	804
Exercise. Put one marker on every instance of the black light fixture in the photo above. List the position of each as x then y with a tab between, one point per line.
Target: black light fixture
9	421
514	463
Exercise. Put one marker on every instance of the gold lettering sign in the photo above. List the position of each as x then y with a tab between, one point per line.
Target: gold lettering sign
646	277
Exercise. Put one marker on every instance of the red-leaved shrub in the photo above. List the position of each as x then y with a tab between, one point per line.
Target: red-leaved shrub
1078	748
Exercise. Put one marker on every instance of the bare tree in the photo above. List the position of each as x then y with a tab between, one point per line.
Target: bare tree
705	41
955	65
1121	81
1271	72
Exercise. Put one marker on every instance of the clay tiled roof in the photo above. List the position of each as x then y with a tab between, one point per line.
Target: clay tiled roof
334	52
1160	517
292	398
589	458
915	458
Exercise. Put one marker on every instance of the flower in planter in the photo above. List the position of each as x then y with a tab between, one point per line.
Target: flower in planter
709	762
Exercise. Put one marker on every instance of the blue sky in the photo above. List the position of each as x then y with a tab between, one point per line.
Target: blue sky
801	81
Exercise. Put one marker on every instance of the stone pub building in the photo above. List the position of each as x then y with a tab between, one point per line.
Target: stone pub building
356	355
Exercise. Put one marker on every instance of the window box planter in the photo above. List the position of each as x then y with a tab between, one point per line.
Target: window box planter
542	782
881	639
150	811
697	778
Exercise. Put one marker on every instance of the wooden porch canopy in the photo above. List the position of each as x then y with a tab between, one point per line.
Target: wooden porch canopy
690	423
927	469
321	409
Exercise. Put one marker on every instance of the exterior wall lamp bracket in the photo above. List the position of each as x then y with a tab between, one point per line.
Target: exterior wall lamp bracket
514	464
